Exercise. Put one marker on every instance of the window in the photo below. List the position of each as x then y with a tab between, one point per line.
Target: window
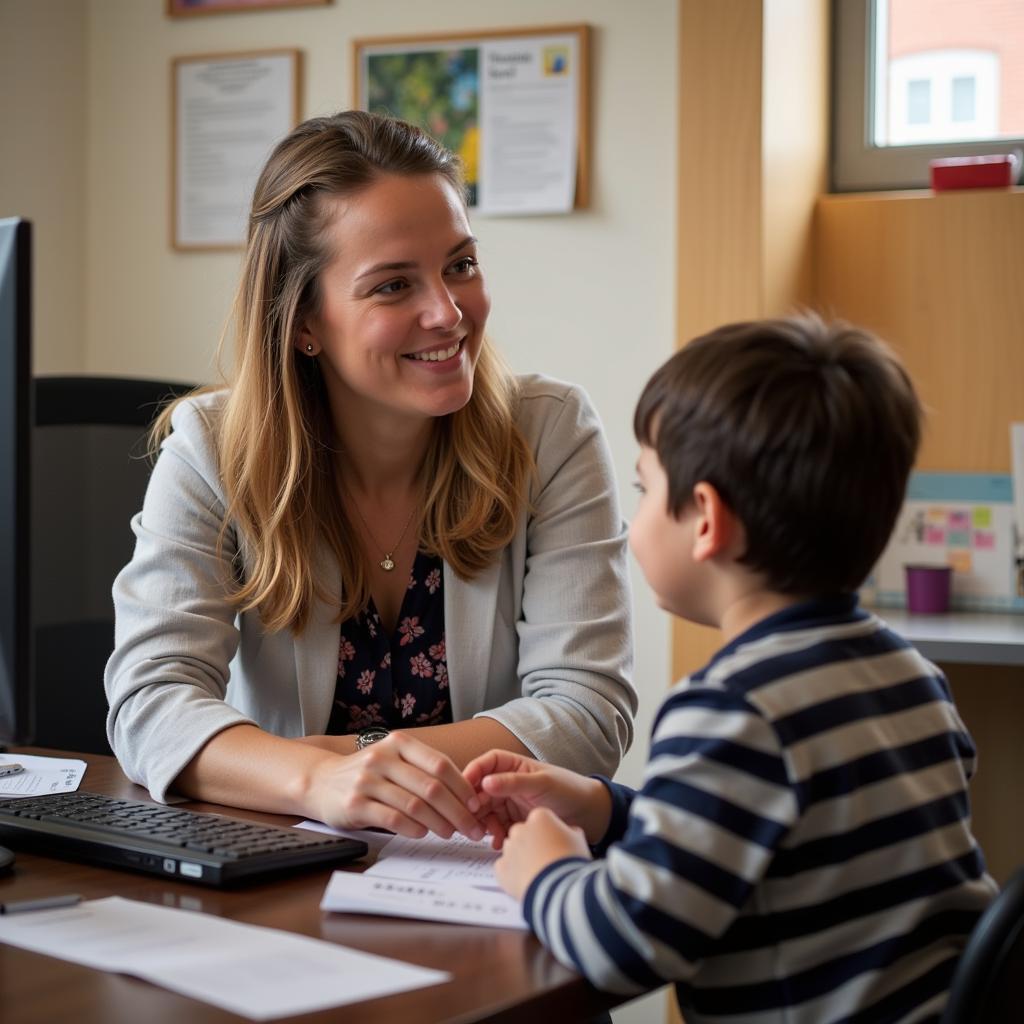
919	79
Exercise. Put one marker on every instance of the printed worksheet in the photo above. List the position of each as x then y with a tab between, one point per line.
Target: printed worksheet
433	859
395	897
42	775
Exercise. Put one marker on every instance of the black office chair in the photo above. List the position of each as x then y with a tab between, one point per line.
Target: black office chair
89	474
988	984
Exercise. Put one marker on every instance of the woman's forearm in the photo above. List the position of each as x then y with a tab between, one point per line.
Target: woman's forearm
461	741
246	767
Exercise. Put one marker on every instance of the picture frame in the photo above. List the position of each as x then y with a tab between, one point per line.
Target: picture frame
193	8
447	82
258	95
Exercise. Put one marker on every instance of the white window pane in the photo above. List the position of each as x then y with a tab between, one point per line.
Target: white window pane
919	101
963	99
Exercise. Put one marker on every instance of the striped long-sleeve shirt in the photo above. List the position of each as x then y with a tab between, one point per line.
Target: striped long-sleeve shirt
800	850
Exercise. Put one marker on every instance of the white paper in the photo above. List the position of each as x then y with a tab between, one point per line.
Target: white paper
433	859
375	841
260	973
395	897
42	775
529	131
230	114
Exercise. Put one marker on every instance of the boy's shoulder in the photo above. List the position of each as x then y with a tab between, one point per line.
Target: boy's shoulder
806	656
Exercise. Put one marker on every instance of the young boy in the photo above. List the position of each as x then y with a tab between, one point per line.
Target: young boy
800	849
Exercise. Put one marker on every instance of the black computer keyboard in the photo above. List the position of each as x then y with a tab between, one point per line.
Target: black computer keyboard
192	846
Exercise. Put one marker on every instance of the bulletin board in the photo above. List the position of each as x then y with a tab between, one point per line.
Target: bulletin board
513	104
965	521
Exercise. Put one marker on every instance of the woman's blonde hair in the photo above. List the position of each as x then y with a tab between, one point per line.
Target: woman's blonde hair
276	442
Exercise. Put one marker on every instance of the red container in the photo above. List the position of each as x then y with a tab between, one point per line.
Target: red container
999	171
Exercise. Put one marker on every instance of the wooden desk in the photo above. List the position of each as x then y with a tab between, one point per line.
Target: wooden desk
497	975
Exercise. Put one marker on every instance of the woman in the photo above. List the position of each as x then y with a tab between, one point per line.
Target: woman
375	527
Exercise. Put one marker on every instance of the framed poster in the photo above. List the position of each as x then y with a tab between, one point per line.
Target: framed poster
186	8
512	103
228	112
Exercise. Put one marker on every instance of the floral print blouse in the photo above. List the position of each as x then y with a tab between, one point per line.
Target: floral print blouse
399	680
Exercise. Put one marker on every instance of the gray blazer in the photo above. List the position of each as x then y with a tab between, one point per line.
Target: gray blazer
539	641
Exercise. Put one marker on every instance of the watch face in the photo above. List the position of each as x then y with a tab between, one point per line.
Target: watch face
373	734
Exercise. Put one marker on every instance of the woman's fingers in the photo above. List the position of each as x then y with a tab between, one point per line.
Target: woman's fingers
425	785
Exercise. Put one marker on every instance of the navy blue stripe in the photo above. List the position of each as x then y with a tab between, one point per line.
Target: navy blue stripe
897	1005
823	978
766	767
705	874
685	939
855	707
626	959
882	764
874	835
723	813
820	612
622	799
771	929
707	697
824	653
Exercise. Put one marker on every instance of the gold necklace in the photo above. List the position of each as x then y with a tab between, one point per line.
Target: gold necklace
387	563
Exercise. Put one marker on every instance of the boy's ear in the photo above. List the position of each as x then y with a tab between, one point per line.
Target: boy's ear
717	528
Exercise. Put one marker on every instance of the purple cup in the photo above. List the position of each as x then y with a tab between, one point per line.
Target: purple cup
928	588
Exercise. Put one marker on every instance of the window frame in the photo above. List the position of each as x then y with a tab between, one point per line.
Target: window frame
856	164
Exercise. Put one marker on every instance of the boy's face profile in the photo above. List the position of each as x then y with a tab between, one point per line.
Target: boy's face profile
662	543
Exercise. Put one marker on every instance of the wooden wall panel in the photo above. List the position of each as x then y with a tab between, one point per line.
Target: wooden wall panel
753	150
939	276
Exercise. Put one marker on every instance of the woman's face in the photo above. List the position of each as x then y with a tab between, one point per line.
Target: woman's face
403	302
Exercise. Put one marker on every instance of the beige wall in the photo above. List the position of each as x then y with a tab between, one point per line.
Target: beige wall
43	119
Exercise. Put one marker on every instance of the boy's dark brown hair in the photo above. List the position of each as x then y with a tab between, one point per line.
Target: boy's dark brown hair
807	430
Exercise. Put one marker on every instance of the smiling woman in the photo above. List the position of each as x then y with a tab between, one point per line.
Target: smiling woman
374	553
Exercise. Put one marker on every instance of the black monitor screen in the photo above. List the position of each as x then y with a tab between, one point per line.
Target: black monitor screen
15	434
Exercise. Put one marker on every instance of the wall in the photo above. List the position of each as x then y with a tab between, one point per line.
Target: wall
43	120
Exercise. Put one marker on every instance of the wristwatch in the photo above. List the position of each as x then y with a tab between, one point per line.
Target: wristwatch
371	734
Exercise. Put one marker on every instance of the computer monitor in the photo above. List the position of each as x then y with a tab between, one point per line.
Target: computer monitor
16	705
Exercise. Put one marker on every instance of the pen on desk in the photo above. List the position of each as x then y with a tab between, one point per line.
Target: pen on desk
48	903
11	769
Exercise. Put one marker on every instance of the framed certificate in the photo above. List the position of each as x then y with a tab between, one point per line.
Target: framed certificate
228	112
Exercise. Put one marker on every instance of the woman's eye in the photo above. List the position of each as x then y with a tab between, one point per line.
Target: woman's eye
390	288
466	265
639	487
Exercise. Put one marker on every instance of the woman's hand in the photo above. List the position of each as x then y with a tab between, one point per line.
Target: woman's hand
532	845
399	784
510	786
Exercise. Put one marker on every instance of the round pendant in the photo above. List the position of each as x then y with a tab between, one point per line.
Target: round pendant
386	564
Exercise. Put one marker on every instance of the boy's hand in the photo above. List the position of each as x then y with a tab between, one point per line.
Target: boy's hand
510	786
532	845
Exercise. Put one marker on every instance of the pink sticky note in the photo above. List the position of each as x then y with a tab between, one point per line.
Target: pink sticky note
985	539
935	535
959	521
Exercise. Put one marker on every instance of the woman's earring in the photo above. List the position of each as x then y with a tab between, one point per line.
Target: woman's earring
309	348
